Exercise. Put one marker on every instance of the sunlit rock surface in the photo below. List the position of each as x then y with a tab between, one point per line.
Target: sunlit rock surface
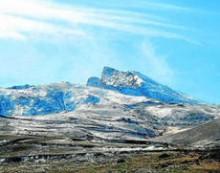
137	84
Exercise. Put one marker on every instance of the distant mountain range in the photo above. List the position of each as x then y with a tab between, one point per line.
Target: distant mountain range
120	106
66	97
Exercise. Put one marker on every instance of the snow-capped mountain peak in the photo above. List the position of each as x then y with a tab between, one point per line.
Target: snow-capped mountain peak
116	78
135	83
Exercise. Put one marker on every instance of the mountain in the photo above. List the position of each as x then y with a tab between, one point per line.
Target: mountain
120	105
111	120
66	97
137	84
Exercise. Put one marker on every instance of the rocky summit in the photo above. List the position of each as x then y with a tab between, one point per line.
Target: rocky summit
137	84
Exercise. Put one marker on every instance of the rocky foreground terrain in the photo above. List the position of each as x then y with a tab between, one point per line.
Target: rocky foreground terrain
123	122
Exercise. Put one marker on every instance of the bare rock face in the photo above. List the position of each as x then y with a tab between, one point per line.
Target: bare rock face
116	78
135	83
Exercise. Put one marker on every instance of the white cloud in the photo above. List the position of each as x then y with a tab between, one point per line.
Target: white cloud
23	19
18	28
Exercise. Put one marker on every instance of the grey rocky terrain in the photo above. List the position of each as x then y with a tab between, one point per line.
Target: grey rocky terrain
111	118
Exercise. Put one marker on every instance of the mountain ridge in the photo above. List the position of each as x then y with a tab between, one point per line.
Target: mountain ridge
135	83
64	97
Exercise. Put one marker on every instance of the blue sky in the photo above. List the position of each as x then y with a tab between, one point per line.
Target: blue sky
175	42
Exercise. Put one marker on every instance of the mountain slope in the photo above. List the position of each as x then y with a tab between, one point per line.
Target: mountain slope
56	98
137	84
205	135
